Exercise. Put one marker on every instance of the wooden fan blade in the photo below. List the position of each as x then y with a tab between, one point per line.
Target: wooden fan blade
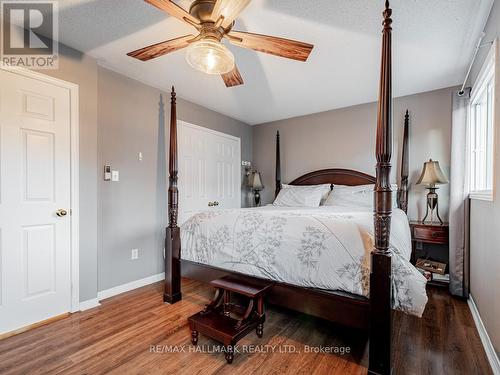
233	78
229	9
291	49
160	49
174	10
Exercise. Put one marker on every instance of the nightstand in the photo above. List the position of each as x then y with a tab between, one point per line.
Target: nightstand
432	242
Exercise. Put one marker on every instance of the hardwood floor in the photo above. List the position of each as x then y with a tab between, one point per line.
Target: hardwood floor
118	338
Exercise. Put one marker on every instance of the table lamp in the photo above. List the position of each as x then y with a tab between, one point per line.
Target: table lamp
256	186
430	177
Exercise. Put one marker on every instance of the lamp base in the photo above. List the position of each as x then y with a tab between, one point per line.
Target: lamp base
432	205
257	198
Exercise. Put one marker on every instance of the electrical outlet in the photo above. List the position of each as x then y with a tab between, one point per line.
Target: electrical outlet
115	176
135	254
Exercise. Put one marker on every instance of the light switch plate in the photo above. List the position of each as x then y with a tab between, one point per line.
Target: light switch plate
115	176
107	173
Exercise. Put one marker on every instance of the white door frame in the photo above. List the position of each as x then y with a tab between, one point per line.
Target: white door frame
74	209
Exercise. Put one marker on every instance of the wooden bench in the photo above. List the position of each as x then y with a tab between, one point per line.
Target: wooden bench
228	322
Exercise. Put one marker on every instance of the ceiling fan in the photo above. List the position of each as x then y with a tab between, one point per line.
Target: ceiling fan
214	20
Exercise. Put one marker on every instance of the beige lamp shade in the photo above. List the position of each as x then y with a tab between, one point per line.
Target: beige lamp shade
432	174
256	181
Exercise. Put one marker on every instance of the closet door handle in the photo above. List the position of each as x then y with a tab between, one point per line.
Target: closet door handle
61	212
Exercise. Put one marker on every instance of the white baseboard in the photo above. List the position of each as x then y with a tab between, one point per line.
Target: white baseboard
130	286
89	304
485	339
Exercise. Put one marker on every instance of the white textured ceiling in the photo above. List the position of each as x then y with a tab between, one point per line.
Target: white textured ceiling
433	41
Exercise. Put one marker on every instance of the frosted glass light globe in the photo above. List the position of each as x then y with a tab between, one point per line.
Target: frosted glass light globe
210	57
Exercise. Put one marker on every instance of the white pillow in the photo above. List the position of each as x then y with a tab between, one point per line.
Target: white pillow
326	188
356	196
302	196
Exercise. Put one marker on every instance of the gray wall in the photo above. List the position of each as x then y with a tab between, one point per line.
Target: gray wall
485	220
132	212
345	138
82	70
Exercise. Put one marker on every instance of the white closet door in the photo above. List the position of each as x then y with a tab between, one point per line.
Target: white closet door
35	257
209	170
226	188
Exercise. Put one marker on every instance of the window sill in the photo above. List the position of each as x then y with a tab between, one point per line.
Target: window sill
486	195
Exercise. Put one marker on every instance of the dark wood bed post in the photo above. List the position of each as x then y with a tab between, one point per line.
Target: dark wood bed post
278	164
172	292
403	187
380	277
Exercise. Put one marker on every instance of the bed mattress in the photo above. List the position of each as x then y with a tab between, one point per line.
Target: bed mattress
327	247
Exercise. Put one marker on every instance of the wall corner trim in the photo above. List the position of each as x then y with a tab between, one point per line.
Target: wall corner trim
485	339
89	304
107	293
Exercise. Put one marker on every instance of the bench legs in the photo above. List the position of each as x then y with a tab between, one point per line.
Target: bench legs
194	337
260	311
260	330
229	354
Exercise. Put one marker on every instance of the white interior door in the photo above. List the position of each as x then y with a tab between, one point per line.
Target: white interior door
35	243
209	170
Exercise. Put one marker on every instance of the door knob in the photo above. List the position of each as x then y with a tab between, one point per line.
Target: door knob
61	212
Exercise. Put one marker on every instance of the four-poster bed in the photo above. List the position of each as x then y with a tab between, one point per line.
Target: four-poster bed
373	313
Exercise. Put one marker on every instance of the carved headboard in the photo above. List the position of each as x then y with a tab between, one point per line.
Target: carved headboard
335	176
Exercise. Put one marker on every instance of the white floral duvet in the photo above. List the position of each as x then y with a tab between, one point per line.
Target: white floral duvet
326	247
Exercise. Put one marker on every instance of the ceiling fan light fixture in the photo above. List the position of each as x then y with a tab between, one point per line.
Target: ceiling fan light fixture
210	56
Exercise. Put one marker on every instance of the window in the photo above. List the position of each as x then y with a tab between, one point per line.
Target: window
481	128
